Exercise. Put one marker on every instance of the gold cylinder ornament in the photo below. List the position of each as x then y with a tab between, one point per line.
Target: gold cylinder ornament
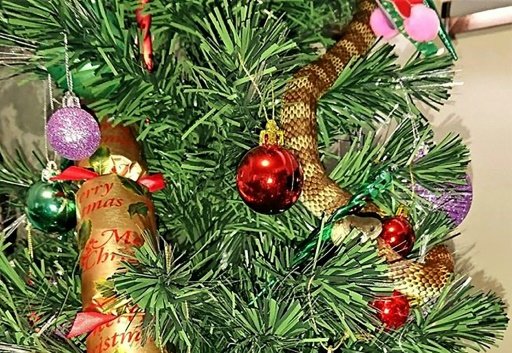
122	335
119	152
114	211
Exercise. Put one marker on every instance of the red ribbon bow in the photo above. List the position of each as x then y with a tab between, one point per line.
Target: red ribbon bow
154	182
88	322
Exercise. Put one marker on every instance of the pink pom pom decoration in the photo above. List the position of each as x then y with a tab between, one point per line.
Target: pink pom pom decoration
381	25
423	24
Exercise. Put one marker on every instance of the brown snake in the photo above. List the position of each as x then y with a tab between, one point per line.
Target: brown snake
420	281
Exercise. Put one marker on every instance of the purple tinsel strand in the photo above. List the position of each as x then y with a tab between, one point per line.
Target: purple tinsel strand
455	200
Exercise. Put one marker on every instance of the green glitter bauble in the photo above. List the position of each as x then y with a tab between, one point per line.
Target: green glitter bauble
50	207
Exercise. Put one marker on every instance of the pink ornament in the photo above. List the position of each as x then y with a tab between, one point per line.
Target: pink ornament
73	133
423	24
381	25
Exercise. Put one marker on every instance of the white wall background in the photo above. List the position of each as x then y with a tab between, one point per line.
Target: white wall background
464	7
481	111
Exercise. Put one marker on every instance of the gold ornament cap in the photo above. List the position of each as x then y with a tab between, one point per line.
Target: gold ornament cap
271	135
402	211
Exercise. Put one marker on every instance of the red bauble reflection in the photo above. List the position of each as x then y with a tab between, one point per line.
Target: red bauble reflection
269	179
392	311
398	233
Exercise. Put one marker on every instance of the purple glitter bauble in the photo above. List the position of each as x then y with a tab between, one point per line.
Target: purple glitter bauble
73	133
455	200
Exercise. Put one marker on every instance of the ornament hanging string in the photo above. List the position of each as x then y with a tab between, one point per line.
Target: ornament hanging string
69	78
260	94
332	349
30	244
48	96
69	99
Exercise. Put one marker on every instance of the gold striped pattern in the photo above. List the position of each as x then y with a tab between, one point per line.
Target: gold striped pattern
321	195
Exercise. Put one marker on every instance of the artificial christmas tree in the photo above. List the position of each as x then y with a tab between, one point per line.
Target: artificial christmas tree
197	79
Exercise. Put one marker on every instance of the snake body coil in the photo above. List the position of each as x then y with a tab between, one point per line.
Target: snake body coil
322	196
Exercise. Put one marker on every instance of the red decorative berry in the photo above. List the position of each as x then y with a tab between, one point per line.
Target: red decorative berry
34	318
269	179
398	233
392	311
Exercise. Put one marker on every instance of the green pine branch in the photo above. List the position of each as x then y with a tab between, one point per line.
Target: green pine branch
37	305
375	89
221	68
16	174
444	163
461	319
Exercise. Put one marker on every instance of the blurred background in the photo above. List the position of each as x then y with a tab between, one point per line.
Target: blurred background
480	110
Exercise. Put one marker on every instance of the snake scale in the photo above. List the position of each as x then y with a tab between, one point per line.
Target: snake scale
419	281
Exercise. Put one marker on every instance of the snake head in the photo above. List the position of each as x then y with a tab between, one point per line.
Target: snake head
369	226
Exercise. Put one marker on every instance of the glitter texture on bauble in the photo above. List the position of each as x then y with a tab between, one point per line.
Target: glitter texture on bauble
73	133
453	199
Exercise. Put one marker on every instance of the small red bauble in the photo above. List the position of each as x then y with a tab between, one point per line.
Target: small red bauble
398	233
392	311
269	179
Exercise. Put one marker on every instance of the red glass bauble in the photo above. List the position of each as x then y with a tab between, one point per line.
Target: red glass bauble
269	179
392	311
398	233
